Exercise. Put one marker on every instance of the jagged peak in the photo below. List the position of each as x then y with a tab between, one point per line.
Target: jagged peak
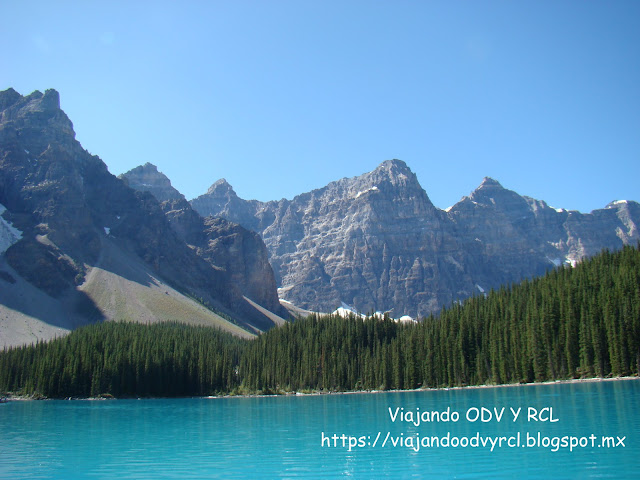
620	204
220	187
41	110
36	100
489	182
490	192
146	168
147	177
51	99
9	97
394	162
488	186
149	171
396	171
9	91
394	167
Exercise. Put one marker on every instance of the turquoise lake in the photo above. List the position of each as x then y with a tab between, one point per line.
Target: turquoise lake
548	431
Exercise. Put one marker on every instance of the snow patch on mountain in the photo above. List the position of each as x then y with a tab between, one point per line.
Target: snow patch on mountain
556	261
346	311
372	189
8	233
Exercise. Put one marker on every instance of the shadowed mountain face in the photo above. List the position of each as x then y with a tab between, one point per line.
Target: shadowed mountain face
376	241
73	216
226	246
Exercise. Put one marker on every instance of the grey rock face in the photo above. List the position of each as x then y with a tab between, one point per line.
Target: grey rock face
147	178
69	209
378	243
226	246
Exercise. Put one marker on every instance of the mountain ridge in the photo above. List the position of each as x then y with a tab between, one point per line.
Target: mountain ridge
75	218
223	244
373	241
376	241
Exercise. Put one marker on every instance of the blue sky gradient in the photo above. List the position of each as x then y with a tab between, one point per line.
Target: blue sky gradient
280	97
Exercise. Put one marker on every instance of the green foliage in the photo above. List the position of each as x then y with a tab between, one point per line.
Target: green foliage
571	323
125	359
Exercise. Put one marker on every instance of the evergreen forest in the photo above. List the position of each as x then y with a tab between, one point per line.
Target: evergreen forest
578	322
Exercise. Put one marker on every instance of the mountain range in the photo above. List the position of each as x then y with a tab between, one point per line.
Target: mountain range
376	242
79	245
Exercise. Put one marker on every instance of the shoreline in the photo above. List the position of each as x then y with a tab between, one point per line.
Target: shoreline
10	398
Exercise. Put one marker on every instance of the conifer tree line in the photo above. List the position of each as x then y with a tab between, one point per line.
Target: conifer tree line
125	360
571	323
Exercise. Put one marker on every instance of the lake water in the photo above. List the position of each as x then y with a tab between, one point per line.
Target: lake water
293	437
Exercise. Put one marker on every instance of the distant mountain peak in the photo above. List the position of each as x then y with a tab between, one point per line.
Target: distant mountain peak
395	173
147	168
8	97
617	203
375	241
394	168
490	182
221	188
72	233
147	178
394	163
490	193
51	99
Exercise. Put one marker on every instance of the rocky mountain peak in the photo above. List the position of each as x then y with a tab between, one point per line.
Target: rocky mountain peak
8	97
394	167
619	204
376	242
35	121
395	186
394	171
221	200
50	100
221	188
69	224
228	247
490	182
147	178
491	194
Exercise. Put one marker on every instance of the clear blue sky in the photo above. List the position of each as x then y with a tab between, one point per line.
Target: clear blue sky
280	97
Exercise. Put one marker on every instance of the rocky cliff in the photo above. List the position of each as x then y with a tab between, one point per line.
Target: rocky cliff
376	241
147	178
226	246
86	240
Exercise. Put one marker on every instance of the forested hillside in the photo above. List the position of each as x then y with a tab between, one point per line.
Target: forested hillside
125	359
571	323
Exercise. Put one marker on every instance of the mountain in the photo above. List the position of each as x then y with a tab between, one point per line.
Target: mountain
147	178
377	243
80	246
226	246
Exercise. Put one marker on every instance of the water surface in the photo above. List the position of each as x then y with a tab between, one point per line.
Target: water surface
282	437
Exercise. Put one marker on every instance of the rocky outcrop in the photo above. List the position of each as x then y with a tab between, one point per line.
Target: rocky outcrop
376	241
228	247
147	178
69	209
